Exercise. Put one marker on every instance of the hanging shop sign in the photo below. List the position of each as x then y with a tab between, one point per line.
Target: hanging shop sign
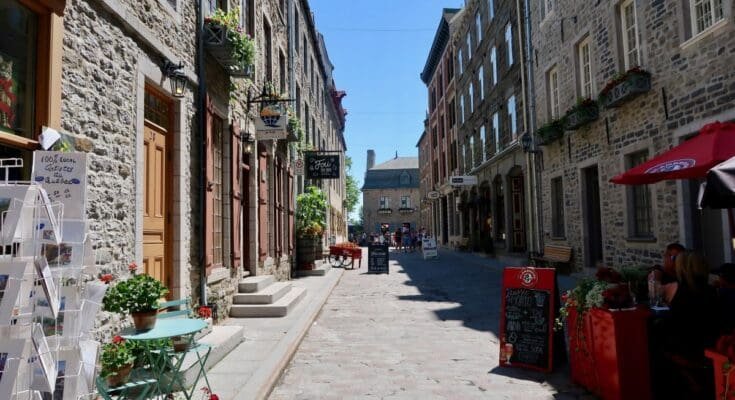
321	166
298	166
433	195
463	180
271	122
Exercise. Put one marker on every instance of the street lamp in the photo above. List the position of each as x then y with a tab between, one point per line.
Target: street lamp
247	142
527	144
176	78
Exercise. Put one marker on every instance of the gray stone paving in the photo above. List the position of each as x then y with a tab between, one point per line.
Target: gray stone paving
427	330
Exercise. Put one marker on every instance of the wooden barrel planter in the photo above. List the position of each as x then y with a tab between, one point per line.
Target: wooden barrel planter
308	250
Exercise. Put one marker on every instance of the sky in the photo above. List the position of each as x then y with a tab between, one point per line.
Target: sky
379	48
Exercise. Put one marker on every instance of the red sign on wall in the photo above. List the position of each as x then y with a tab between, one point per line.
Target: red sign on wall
527	318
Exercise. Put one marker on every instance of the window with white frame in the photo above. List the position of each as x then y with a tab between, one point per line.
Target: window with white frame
553	82
584	66
469	45
629	31
472	151
459	60
509	42
494	65
384	202
490	10
496	131
405	202
483	142
464	157
461	110
478	27
472	96
481	82
704	13
512	117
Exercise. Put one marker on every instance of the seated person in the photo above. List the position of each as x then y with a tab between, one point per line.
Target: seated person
666	274
726	293
693	325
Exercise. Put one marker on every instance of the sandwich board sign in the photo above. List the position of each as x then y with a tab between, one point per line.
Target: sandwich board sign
428	248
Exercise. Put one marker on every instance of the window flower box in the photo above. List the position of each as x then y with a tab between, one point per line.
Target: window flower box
551	131
385	211
406	210
582	114
625	87
225	41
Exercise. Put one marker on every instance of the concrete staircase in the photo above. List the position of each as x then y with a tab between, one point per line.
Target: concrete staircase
262	296
321	267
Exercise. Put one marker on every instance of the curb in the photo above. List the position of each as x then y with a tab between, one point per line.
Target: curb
261	383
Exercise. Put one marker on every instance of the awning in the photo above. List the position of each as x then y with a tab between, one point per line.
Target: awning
691	159
719	189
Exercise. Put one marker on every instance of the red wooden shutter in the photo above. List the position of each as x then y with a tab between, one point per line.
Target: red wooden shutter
290	202
277	205
262	204
235	172
209	195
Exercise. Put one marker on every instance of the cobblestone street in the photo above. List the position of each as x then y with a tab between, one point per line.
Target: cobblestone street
426	330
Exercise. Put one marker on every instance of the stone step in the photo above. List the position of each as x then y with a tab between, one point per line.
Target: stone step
269	295
222	339
254	284
320	270
277	309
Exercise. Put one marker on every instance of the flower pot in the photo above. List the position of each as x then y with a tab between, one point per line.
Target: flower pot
219	47
120	376
308	250
144	321
580	116
633	84
551	132
180	344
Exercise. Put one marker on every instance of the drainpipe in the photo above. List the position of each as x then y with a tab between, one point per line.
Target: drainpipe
533	158
201	127
291	18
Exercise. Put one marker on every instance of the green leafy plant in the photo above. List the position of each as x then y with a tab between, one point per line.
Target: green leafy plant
311	207
141	293
243	46
115	356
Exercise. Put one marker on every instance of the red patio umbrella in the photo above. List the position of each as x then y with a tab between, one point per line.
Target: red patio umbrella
691	159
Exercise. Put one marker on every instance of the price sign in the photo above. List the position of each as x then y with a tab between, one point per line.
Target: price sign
64	176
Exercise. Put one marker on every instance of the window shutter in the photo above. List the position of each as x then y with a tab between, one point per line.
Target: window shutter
290	201
209	194
262	205
236	193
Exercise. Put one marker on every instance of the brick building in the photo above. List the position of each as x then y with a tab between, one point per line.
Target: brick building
438	144
579	46
491	118
390	194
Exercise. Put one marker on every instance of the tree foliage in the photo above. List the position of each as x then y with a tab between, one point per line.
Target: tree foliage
352	191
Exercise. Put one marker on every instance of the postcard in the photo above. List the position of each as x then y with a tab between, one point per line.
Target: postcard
16	212
89	350
11	350
47	283
44	372
11	276
52	227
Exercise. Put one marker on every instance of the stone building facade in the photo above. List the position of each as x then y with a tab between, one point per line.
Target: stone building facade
390	194
580	46
440	134
223	213
491	118
318	105
426	217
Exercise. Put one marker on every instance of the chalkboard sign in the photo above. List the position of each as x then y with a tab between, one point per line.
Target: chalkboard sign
527	318
321	166
378	258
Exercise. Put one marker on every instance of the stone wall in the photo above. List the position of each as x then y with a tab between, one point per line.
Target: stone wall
371	204
692	83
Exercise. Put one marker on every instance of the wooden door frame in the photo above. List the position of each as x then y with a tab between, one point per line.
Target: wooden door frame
168	184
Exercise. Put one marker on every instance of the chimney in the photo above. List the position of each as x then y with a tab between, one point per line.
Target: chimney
370	159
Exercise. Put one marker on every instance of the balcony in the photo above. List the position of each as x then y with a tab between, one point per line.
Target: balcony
406	210
233	50
385	211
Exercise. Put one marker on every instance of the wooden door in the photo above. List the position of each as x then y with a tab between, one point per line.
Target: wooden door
156	188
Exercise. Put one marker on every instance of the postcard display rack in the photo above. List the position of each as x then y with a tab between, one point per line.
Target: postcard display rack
48	299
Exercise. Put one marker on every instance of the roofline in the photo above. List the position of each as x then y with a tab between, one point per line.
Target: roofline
441	38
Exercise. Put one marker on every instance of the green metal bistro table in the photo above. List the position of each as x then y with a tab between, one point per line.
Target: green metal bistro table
166	364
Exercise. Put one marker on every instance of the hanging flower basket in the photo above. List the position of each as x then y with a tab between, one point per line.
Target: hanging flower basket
225	41
582	114
551	131
625	87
